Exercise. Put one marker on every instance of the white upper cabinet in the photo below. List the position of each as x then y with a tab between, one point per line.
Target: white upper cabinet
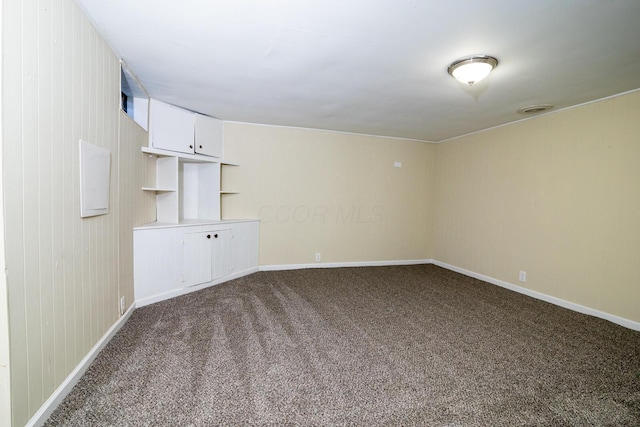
208	136
176	129
172	128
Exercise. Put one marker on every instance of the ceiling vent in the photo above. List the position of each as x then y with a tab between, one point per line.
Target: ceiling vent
532	109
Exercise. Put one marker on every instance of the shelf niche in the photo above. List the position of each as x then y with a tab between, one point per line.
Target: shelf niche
186	186
199	191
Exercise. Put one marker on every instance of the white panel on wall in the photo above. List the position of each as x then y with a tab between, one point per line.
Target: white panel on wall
95	163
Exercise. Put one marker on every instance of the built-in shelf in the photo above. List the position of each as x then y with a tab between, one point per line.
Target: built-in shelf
186	186
222	192
188	247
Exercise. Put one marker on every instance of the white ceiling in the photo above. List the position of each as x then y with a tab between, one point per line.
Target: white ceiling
373	66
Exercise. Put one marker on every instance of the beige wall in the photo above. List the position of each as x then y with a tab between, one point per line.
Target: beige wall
64	278
334	193
557	196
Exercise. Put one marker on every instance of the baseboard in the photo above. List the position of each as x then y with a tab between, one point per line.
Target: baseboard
47	408
277	267
183	291
544	297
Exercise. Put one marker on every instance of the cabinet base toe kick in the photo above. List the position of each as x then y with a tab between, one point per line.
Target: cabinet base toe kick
147	300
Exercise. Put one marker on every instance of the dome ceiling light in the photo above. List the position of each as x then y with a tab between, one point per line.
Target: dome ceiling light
471	69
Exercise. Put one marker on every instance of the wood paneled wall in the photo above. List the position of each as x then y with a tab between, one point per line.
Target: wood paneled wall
136	206
64	273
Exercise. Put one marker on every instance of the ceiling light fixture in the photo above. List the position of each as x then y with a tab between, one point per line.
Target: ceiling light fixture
472	69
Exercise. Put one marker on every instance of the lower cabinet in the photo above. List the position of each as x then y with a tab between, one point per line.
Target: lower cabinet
173	260
206	256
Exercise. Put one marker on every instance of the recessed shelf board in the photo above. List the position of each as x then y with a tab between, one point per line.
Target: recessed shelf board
194	158
157	190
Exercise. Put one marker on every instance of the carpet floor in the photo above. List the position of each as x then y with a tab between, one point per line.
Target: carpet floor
402	345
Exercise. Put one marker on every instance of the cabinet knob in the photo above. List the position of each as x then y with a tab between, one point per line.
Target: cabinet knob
191	146
201	146
215	235
208	236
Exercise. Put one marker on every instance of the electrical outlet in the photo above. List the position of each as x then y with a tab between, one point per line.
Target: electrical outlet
122	305
318	257
523	276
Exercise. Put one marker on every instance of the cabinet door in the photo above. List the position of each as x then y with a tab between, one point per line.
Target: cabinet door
209	136
196	258
172	128
245	246
156	255
221	253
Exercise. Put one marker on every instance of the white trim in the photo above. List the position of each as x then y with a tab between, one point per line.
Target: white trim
342	132
183	291
452	138
544	297
535	116
47	408
277	267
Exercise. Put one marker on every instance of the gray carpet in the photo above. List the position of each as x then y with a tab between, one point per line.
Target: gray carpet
407	345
